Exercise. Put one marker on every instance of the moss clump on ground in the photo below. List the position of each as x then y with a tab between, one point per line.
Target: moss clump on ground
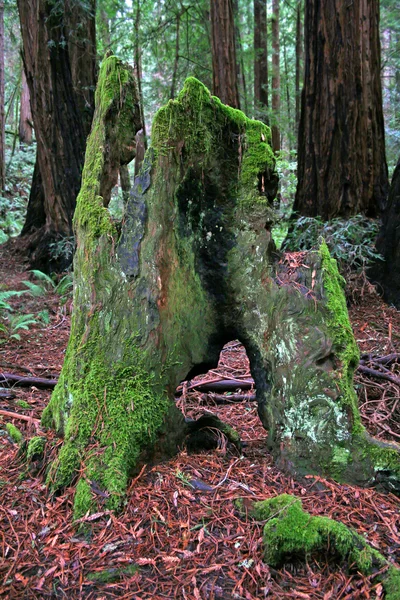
14	433
291	533
112	575
23	404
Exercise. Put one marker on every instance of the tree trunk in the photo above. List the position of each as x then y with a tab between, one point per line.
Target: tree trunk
25	128
192	269
342	167
387	273
2	112
224	52
240	69
299	59
276	77
260	61
60	77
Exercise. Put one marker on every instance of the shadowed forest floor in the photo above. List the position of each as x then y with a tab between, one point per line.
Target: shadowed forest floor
179	526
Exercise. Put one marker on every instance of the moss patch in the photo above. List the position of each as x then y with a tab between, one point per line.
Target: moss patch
14	433
35	449
291	533
112	575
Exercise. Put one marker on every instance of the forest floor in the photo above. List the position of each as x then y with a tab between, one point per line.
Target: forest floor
179	535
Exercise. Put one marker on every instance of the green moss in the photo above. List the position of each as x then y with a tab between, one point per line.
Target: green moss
115	81
14	433
121	407
197	118
112	575
340	329
83	501
23	404
292	533
35	448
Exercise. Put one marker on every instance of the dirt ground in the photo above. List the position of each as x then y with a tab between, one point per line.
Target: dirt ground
180	535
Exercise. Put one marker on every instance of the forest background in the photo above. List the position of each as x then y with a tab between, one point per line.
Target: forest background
168	42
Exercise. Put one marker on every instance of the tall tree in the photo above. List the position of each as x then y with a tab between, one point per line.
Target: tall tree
276	77
224	52
59	61
342	167
2	112
260	60
299	58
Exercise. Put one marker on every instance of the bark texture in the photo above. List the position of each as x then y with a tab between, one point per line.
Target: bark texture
192	269
224	52
342	167
25	128
387	273
58	54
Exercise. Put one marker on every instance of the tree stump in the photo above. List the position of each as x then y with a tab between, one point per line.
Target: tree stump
194	267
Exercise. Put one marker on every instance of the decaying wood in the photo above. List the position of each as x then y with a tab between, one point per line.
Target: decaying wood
13	415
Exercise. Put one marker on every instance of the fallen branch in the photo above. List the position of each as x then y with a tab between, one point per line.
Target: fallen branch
21	381
378	374
221	399
13	415
225	385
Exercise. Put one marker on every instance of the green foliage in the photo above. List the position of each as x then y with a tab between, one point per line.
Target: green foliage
46	284
9	323
63	249
351	242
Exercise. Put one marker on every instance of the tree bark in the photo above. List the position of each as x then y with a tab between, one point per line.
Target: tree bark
2	112
25	128
387	273
276	77
192	269
61	82
260	60
342	167
224	52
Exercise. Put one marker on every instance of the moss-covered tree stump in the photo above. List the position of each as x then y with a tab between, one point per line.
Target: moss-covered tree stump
194	267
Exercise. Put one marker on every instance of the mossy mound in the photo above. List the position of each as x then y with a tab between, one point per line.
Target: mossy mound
291	533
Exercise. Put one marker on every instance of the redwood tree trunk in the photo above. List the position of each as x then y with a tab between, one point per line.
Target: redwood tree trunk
276	77
25	113
387	273
61	89
342	167
299	59
224	52
260	60
2	113
193	268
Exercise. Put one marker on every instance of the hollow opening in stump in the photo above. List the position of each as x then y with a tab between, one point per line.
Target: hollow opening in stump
227	392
